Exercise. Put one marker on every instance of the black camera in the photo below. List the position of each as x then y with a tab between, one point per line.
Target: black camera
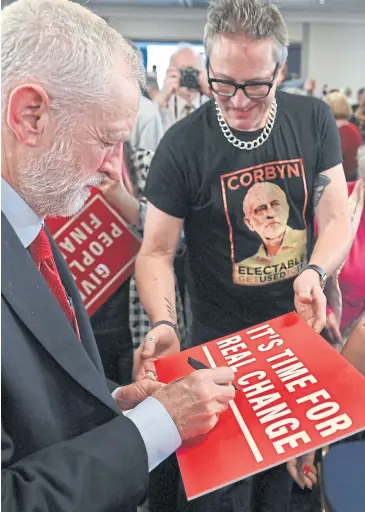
189	78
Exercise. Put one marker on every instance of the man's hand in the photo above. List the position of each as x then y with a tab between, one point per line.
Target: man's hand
129	396
159	342
171	86
303	471
309	299
196	401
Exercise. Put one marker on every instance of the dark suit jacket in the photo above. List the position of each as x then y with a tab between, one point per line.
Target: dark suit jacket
65	445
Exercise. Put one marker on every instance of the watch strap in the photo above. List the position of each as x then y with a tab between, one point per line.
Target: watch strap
322	273
170	324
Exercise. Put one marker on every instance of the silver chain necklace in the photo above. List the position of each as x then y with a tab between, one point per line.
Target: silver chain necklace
240	144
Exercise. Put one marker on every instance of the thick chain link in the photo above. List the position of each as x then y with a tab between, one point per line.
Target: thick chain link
240	144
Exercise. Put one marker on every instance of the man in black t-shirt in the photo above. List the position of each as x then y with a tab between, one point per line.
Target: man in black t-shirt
208	168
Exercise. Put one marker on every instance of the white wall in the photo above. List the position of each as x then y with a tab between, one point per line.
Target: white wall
336	55
332	44
169	24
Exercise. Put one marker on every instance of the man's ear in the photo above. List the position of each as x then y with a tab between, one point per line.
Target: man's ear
28	113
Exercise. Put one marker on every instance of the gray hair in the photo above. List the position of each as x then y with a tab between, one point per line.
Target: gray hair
66	49
181	47
361	162
256	18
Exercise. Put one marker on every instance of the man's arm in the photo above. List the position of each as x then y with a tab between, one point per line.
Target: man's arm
331	248
154	264
334	227
155	281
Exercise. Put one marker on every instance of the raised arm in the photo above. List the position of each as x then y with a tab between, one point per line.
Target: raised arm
334	227
331	248
156	283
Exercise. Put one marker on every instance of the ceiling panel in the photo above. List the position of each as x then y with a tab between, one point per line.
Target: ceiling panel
327	6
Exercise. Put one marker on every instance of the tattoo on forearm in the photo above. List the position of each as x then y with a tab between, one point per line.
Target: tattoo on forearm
170	309
320	184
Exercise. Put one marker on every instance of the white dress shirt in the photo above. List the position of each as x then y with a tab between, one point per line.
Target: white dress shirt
158	430
176	109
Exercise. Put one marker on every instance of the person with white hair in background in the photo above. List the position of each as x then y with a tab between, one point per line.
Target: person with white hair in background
148	129
203	169
185	87
70	95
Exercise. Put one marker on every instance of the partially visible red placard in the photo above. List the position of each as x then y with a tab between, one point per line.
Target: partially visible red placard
295	394
99	249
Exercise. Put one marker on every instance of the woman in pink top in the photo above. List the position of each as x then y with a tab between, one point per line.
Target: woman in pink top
346	288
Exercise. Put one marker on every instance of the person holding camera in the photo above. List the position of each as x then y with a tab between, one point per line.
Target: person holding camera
185	88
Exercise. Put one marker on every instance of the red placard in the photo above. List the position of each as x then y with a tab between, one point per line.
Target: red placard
99	249
295	394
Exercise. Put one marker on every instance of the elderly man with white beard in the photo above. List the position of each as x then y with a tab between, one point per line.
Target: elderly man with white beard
70	92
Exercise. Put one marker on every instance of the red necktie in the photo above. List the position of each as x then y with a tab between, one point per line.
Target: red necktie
41	251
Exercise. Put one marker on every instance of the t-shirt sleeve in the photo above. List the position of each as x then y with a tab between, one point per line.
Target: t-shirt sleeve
330	153
166	186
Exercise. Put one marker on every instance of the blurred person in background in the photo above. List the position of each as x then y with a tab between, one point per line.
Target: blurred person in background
185	87
360	97
310	87
351	138
154	72
359	116
152	87
203	169
148	129
345	289
347	91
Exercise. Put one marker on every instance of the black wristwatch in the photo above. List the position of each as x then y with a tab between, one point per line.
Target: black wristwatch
322	274
171	324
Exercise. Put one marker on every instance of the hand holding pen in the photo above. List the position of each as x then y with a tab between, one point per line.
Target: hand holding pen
198	365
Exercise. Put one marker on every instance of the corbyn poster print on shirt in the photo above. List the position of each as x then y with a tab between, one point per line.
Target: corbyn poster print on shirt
265	209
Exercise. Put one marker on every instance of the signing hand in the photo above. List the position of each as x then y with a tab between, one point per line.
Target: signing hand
309	299
196	401
159	342
129	396
303	471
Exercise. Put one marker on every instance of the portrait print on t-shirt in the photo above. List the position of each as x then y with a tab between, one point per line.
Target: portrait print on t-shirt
265	209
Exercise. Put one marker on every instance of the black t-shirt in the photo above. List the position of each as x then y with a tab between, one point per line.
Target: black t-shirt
228	196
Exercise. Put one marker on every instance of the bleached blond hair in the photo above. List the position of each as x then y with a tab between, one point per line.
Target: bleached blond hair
255	18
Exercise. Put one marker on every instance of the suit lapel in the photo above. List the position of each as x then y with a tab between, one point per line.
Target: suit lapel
86	332
28	294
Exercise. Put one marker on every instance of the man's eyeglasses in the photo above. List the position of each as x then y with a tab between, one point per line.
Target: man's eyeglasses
252	89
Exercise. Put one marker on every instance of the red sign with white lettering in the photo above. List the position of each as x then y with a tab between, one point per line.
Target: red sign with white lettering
295	394
99	249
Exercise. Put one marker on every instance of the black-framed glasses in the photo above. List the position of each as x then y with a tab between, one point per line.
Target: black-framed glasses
252	89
